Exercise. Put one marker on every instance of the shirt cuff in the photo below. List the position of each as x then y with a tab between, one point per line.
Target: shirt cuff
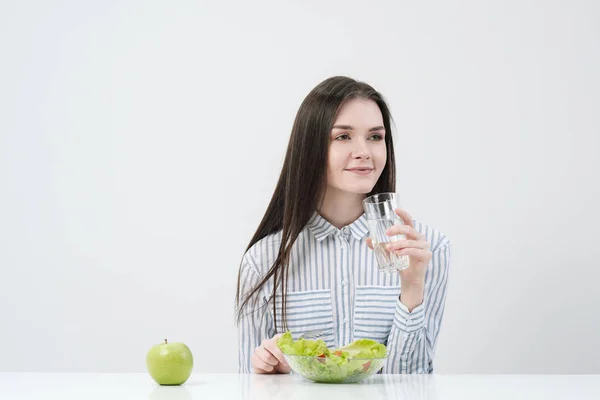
409	322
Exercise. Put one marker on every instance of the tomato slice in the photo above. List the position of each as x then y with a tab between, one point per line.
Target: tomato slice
366	366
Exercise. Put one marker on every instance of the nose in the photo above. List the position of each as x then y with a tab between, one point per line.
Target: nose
361	151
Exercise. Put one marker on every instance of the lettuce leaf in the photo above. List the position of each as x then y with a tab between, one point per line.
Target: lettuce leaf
302	347
364	348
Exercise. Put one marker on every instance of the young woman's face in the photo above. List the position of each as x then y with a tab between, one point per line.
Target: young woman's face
357	150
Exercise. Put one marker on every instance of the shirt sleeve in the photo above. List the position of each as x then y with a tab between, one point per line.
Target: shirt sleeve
256	323
413	332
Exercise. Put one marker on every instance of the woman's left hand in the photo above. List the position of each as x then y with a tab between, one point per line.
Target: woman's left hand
415	247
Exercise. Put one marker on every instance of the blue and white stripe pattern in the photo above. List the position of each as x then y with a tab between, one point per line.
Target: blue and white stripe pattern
334	285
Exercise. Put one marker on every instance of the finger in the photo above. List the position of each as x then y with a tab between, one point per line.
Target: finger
284	369
259	366
401	244
271	346
408	231
266	356
274	338
370	243
419	254
405	217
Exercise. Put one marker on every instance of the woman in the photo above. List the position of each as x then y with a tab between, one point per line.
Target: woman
310	265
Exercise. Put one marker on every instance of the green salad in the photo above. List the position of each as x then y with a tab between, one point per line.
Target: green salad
313	360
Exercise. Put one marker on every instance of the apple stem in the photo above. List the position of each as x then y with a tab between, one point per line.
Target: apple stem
165	341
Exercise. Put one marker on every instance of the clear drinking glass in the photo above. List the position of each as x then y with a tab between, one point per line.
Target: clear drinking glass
379	210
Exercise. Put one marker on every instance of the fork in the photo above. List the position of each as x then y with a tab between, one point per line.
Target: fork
314	334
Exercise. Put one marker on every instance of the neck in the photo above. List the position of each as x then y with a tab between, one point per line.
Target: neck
341	208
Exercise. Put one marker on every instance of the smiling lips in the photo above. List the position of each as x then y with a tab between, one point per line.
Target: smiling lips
360	170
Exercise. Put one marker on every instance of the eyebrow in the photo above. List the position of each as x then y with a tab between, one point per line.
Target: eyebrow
350	128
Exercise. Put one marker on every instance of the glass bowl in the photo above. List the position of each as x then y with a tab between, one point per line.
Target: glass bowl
327	370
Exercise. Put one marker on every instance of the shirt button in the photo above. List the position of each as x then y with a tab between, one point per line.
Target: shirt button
403	357
344	282
345	320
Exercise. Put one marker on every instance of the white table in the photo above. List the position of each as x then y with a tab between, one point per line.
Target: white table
82	386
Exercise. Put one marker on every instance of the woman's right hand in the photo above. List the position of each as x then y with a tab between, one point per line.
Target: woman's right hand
268	358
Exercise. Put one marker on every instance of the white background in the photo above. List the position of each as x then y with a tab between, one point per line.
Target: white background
140	142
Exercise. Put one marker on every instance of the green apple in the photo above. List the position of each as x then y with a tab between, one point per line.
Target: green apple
170	363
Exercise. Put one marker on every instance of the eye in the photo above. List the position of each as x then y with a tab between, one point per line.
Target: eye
376	137
343	136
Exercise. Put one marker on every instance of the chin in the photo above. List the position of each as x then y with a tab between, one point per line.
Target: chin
358	189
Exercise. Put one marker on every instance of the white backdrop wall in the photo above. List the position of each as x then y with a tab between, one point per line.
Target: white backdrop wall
140	142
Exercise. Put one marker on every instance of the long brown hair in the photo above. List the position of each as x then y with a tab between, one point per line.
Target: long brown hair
302	182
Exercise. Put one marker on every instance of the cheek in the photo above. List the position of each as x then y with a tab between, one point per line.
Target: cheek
336	161
380	156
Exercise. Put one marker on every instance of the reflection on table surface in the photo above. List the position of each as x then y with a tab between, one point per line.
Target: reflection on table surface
92	386
293	387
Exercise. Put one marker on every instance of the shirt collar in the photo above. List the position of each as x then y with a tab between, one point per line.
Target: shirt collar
321	228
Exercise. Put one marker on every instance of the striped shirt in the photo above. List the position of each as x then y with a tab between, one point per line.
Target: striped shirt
334	285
